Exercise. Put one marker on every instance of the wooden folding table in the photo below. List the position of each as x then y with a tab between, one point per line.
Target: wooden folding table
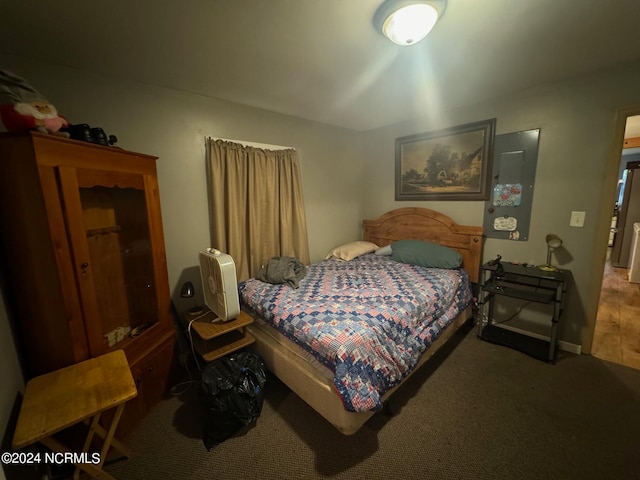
78	393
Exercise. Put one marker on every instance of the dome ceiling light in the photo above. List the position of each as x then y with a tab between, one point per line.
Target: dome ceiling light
406	22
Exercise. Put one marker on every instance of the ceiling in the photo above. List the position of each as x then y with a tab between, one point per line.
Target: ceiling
323	60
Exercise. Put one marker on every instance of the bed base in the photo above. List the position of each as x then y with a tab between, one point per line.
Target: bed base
317	390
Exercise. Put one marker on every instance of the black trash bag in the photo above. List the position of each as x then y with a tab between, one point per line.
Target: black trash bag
232	389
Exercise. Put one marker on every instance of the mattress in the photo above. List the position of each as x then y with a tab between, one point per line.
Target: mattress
365	323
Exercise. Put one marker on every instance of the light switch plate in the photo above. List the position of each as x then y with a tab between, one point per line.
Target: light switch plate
577	219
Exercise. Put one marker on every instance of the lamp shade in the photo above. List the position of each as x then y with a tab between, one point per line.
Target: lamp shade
406	22
553	241
187	290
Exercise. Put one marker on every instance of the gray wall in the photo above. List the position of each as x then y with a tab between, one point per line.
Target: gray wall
173	126
348	176
577	169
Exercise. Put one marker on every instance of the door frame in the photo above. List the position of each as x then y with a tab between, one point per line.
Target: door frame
604	222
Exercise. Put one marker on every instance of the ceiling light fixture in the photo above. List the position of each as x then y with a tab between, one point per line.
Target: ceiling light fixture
406	22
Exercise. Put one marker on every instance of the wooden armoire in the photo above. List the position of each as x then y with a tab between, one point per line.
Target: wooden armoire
84	259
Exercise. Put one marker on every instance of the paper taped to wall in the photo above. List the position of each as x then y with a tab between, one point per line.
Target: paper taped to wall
505	224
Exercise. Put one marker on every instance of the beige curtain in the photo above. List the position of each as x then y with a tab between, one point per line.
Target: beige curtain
257	208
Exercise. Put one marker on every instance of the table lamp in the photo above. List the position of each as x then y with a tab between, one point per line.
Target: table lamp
188	291
553	242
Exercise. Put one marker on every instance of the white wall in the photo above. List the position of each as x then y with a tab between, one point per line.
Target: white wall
576	170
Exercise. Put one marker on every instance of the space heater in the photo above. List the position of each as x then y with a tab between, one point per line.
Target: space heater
219	283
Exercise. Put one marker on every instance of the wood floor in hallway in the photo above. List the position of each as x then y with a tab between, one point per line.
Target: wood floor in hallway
617	332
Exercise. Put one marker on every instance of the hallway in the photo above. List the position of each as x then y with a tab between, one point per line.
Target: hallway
617	332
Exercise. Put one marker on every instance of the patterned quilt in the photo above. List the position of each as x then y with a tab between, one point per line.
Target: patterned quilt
369	320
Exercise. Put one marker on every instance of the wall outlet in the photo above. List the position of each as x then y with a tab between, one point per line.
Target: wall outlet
577	219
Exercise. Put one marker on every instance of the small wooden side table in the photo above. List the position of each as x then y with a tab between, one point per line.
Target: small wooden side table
214	339
78	393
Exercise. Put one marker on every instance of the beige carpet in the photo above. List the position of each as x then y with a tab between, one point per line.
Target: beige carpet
477	411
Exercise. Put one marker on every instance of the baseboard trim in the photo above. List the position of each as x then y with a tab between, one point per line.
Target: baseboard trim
562	345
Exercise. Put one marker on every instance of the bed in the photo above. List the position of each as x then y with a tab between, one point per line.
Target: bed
365	337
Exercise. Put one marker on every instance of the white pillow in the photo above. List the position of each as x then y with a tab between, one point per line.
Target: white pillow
351	250
384	250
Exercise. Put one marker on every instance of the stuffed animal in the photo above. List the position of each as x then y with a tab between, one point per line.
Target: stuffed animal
23	108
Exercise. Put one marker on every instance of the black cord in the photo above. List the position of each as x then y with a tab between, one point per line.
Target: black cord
512	316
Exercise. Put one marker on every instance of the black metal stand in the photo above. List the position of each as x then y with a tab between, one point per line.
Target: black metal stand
525	283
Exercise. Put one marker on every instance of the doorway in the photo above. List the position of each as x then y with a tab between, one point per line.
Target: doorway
616	336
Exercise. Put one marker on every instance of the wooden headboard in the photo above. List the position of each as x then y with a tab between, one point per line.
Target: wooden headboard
416	223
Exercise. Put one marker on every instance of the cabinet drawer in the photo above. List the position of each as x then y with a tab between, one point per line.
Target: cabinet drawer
152	375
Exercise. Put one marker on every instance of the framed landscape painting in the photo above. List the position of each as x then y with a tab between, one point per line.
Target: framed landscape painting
449	164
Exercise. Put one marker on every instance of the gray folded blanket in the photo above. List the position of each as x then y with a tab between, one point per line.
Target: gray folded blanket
279	270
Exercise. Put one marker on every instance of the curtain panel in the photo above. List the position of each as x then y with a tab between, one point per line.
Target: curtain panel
256	205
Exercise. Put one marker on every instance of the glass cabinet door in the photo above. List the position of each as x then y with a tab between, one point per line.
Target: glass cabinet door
108	223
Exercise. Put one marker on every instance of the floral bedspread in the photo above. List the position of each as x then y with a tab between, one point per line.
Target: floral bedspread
369	320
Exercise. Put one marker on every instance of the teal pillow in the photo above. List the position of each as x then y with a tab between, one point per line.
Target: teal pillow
425	254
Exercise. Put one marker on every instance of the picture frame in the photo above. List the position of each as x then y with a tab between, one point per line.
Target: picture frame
448	164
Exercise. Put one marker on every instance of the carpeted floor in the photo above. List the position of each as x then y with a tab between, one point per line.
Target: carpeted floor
475	411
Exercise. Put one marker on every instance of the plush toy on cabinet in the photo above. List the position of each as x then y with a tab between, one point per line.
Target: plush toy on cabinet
23	108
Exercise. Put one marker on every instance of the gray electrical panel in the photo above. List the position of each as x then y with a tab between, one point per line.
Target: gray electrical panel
507	213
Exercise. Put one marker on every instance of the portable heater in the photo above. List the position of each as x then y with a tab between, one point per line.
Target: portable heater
219	283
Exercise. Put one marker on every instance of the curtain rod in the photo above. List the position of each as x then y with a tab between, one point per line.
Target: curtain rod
245	143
